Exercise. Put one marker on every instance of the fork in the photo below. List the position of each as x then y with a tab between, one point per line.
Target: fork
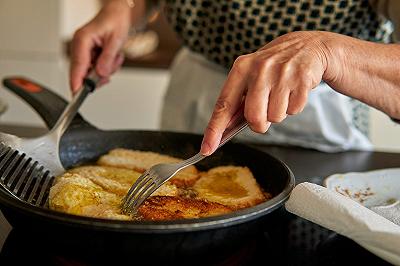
28	165
158	174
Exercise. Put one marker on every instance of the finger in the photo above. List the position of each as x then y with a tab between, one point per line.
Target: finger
256	104
297	101
117	62
226	106
278	104
108	56
80	60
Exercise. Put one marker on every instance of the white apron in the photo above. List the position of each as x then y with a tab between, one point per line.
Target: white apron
326	122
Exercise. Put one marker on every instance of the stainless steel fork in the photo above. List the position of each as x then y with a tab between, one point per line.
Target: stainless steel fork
158	174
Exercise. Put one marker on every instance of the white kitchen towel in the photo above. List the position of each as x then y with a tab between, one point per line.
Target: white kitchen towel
347	217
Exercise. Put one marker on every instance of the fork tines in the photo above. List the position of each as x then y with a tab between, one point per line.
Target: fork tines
23	177
144	186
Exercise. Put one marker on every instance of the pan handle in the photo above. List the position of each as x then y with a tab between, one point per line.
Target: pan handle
45	102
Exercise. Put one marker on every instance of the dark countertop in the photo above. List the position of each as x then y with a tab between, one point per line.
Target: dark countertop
307	165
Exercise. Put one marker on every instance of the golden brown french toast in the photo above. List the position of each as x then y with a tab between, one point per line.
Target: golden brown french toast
232	186
77	195
97	191
142	160
118	180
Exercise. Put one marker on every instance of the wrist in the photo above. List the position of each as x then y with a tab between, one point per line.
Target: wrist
334	53
137	10
124	9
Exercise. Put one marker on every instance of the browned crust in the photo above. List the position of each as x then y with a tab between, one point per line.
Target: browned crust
172	208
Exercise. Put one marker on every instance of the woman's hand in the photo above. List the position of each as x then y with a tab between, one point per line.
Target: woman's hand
105	33
272	83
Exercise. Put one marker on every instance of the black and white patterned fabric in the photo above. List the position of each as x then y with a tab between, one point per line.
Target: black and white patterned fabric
223	30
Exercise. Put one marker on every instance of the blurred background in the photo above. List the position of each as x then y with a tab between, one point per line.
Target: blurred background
34	42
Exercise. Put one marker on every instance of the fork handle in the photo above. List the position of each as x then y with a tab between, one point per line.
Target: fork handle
89	85
235	125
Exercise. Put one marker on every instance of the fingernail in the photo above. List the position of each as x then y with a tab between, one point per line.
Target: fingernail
74	90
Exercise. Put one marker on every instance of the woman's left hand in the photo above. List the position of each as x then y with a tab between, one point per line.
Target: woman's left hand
273	82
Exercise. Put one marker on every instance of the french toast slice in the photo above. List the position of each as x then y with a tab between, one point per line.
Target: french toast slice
97	191
232	186
77	195
172	208
118	180
142	160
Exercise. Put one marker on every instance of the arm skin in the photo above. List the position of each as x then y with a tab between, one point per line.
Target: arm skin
108	30
274	81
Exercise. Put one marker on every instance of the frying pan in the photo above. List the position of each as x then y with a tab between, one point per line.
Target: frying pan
83	143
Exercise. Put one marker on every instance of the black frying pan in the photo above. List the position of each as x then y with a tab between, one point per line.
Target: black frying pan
83	143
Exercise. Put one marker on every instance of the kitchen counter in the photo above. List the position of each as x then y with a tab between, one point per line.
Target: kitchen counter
305	243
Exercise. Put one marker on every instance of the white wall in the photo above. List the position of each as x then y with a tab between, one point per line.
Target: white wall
30	46
30	29
76	13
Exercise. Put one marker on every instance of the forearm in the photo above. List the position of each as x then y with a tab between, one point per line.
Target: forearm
137	10
369	72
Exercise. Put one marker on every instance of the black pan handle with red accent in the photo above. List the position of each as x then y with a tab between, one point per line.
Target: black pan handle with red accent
44	101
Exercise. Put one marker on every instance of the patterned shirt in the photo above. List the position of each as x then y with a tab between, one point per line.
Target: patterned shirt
223	30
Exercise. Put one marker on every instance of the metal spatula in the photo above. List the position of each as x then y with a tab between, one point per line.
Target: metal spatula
28	165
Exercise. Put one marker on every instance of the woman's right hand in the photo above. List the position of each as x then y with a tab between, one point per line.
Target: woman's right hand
105	33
